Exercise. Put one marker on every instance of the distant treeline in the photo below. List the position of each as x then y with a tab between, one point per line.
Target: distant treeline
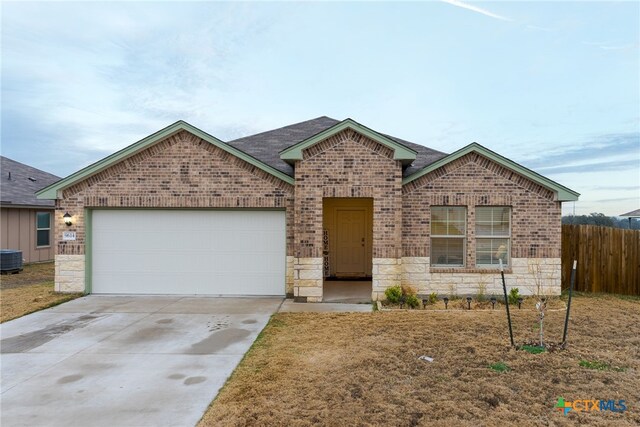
603	220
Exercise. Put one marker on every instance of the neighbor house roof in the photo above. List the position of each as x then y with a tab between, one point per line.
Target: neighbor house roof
20	182
633	214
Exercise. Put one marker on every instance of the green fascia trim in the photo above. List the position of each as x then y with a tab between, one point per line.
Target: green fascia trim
88	241
563	194
51	192
400	152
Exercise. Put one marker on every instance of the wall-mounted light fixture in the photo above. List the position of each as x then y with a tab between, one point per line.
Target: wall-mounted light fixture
67	219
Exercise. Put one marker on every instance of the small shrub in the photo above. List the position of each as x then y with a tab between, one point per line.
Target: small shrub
412	301
433	298
499	367
482	293
514	294
393	294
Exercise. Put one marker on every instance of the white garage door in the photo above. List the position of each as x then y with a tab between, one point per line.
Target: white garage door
239	252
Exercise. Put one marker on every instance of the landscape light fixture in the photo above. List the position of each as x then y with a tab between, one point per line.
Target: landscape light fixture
403	299
493	303
519	302
67	219
469	302
446	302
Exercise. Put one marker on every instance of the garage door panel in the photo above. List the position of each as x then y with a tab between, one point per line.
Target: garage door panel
188	252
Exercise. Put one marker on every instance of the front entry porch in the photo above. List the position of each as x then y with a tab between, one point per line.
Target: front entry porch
347	249
347	291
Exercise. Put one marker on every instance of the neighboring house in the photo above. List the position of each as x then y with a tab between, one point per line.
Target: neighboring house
181	212
26	222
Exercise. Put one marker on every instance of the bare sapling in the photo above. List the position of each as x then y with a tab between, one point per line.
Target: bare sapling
539	291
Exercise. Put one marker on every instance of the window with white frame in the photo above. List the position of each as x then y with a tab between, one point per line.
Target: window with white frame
43	229
448	235
493	236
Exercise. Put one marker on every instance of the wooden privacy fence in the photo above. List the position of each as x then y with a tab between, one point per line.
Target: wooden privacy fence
608	259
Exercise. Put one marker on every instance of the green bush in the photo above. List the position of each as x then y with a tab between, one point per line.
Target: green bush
433	298
514	294
412	301
393	294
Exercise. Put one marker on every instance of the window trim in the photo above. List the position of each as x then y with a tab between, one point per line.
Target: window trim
488	237
462	237
43	229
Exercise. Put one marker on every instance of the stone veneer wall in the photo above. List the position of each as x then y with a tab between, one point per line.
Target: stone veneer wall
69	273
529	275
347	164
182	171
474	180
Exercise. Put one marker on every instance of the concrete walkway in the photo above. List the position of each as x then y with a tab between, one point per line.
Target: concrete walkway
288	306
124	360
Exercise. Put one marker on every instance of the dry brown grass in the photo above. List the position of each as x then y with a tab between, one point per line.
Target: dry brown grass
32	274
363	369
30	290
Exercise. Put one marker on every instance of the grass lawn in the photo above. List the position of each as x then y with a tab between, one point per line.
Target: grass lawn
30	290
363	369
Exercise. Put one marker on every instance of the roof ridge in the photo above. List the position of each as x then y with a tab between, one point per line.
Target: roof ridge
284	127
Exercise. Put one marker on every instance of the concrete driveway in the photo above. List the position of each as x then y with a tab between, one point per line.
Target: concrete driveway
124	360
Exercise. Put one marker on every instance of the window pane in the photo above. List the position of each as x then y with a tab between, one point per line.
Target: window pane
438	228
43	220
492	221
447	251
43	238
448	221
490	251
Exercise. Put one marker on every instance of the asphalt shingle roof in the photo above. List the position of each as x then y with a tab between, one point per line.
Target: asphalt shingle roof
266	146
19	183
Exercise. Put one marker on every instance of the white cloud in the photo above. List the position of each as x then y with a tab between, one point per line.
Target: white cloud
476	9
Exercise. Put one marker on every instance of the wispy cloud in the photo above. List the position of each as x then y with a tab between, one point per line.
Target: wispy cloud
592	152
613	46
614	165
477	9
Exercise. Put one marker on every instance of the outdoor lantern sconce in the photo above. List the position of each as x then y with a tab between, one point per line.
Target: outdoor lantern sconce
493	303
446	302
469	303
67	219
519	303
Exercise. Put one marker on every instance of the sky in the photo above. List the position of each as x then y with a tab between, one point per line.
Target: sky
554	86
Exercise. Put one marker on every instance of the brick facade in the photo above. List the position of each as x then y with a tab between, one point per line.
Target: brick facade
184	171
472	181
347	164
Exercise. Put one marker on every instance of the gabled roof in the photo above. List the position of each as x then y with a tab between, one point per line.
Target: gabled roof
20	182
400	152
562	193
266	146
51	192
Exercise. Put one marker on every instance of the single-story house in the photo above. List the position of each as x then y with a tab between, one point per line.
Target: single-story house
26	222
182	212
